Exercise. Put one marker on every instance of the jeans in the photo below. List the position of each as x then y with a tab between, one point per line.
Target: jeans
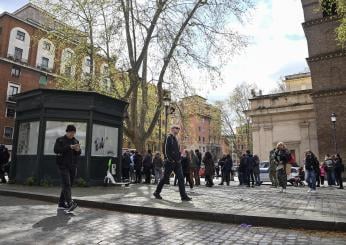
67	176
331	176
158	175
311	179
249	174
169	167
257	179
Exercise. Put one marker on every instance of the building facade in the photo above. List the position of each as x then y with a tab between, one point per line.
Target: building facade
327	62
287	117
200	125
29	60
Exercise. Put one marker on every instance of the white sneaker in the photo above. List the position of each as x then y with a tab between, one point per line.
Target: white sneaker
313	191
309	190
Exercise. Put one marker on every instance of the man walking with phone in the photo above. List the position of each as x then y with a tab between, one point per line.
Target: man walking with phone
172	163
67	149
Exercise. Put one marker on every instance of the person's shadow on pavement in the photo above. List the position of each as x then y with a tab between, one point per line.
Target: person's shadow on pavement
52	223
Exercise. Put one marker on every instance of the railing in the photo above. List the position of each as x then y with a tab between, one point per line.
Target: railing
17	59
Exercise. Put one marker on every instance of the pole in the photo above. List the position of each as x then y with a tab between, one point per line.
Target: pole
335	144
160	146
166	118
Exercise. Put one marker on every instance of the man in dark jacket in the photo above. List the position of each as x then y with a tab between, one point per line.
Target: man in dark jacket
227	168
138	161
126	165
242	170
172	163
250	163
67	149
148	166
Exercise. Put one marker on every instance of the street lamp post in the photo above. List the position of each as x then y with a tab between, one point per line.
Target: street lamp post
166	103
333	120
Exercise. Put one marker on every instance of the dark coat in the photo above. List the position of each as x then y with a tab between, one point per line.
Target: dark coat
227	167
137	159
209	166
171	149
242	165
250	163
339	167
185	163
256	167
66	157
148	161
311	163
282	156
126	161
4	155
157	162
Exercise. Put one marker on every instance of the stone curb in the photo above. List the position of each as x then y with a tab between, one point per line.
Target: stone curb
276	222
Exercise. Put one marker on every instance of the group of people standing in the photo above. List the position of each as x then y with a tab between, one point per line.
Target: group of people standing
314	174
249	170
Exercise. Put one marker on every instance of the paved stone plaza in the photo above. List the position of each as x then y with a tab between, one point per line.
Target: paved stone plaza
25	221
257	204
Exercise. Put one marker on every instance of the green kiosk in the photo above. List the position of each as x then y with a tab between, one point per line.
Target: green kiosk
42	116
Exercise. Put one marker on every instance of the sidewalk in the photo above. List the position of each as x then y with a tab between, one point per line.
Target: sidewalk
259	206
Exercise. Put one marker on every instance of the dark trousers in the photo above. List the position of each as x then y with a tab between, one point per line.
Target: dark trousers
126	173
2	174
241	178
188	178
67	176
138	176
169	167
338	176
147	173
226	177
209	180
322	180
249	174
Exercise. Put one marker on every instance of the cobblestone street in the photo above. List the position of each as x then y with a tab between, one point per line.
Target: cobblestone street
26	221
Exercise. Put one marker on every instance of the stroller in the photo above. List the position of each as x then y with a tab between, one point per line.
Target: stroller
298	181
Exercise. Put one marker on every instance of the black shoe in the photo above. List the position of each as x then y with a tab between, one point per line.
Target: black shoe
341	188
221	184
62	206
186	199
72	206
157	195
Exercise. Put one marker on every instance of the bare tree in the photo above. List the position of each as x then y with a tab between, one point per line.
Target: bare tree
152	42
233	113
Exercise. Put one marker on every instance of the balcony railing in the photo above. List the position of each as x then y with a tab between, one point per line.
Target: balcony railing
17	59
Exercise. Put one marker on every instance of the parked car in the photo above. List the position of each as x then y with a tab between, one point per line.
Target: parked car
264	172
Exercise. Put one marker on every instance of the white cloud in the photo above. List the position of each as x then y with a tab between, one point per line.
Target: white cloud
279	48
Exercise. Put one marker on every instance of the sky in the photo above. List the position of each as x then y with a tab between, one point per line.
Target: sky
277	47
